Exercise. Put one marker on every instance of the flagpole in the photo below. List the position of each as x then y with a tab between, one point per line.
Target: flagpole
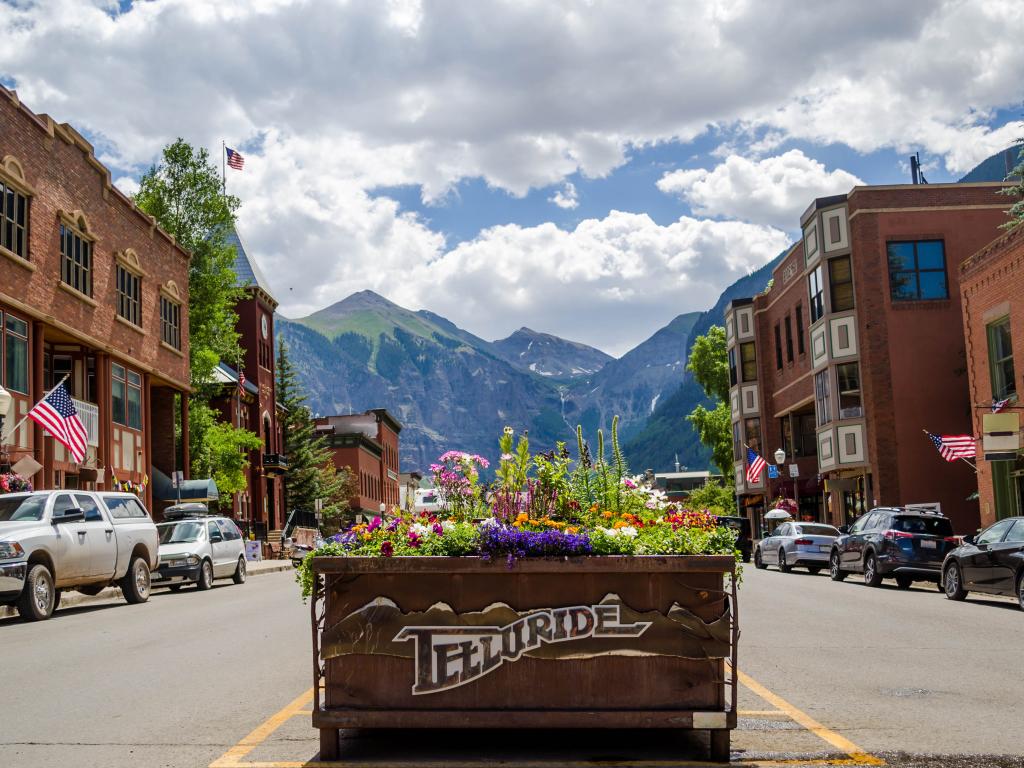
223	168
965	461
12	430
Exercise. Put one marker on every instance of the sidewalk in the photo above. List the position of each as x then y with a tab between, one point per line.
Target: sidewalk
71	598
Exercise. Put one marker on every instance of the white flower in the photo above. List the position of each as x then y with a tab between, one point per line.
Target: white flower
420	530
488	522
447	525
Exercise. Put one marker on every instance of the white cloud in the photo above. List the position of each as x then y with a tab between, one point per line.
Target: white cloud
774	191
565	197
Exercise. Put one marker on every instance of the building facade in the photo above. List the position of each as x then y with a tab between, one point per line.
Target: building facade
366	444
94	294
249	400
854	350
992	291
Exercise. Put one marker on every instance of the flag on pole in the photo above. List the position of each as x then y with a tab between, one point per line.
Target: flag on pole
755	466
241	382
953	447
57	414
998	405
235	159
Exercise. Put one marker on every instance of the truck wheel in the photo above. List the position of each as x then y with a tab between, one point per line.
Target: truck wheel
205	580
38	599
135	584
239	575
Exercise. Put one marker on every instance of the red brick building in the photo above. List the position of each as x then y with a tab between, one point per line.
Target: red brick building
253	405
367	445
992	292
855	349
91	289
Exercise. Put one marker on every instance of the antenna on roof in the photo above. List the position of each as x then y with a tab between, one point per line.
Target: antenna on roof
915	169
677	462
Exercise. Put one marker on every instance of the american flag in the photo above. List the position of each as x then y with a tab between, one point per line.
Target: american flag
58	416
998	405
241	382
235	159
953	447
755	466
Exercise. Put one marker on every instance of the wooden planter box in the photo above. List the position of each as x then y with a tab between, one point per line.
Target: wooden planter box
604	642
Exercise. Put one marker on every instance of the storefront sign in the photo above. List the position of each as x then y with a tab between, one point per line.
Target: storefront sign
447	657
1001	439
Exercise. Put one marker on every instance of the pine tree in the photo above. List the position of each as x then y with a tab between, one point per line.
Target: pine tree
311	472
1016	212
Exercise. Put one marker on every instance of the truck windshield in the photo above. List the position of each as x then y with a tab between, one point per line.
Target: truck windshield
180	533
22	508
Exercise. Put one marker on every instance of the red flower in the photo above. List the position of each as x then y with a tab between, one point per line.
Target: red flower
386	549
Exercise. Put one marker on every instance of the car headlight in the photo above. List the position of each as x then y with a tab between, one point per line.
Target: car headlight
9	550
191	561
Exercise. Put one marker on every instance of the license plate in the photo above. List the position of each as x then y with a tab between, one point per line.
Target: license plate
824	548
928	544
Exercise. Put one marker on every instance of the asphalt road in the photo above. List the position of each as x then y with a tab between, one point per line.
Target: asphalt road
908	677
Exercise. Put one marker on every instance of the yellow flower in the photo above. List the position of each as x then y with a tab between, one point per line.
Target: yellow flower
367	537
522	517
606	515
573	529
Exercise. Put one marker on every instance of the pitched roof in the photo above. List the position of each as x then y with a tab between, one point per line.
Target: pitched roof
247	271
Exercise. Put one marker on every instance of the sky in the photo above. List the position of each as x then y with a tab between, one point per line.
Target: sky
588	169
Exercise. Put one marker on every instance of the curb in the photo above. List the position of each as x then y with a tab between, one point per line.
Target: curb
70	598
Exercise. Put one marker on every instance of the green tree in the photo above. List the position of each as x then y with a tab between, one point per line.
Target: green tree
183	193
714	497
1016	212
311	472
709	364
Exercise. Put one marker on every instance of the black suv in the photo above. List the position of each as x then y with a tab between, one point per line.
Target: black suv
904	543
742	527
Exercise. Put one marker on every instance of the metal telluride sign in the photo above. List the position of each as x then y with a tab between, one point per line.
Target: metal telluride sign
450	656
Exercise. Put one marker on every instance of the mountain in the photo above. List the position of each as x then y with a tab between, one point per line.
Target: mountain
667	434
550	355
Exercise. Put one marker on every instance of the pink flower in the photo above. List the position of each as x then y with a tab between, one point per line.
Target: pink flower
373	526
436	528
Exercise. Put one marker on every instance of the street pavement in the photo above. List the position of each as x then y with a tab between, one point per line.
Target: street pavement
223	677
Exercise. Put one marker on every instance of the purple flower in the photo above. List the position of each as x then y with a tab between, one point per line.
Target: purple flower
436	527
510	542
374	525
387	549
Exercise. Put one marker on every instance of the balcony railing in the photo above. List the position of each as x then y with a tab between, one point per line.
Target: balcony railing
275	463
89	413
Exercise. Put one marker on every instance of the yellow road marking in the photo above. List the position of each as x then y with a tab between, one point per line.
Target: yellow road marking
232	758
548	764
856	754
759	712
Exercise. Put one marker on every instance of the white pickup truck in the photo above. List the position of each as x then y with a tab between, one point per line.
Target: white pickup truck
84	540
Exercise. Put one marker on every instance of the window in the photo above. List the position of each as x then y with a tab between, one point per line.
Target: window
125	397
213	532
170	322
822	397
789	340
806	438
840	282
748	357
816	292
917	270
752	429
76	260
88	505
737	443
230	530
800	328
128	303
1000	359
732	367
15	354
63	504
13	220
848	381
994	534
1016	534
778	348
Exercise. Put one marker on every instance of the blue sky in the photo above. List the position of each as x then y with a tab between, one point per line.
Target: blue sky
417	147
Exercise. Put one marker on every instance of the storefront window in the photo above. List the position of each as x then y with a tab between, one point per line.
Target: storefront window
125	397
16	354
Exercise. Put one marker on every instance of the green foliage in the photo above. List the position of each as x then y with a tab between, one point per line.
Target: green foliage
713	496
513	466
219	450
714	428
311	472
709	363
1016	212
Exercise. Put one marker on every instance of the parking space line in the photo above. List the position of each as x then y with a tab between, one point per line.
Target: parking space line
232	758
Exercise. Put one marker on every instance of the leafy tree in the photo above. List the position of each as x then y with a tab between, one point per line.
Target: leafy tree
714	497
709	364
1016	212
311	473
183	193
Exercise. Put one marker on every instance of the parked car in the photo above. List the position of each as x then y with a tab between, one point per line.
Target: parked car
197	550
55	540
743	541
991	562
904	543
791	544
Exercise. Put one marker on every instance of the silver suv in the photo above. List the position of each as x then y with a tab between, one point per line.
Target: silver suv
65	539
197	550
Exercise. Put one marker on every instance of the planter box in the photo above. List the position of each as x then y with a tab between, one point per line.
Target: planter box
607	642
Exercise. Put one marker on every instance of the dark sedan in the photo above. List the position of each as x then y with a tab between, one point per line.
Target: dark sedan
991	562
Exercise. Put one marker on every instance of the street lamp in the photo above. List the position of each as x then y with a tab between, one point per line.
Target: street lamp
780	459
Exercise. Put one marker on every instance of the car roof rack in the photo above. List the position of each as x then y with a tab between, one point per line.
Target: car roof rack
922	510
187	509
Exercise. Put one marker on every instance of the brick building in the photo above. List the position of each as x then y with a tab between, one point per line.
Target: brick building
367	445
92	289
992	291
253	405
855	348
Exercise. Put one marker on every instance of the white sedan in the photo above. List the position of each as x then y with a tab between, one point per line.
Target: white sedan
796	544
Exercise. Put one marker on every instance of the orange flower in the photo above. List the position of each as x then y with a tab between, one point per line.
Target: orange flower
606	515
573	529
594	507
367	537
619	524
522	517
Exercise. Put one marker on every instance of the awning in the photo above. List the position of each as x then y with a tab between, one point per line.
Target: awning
191	490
